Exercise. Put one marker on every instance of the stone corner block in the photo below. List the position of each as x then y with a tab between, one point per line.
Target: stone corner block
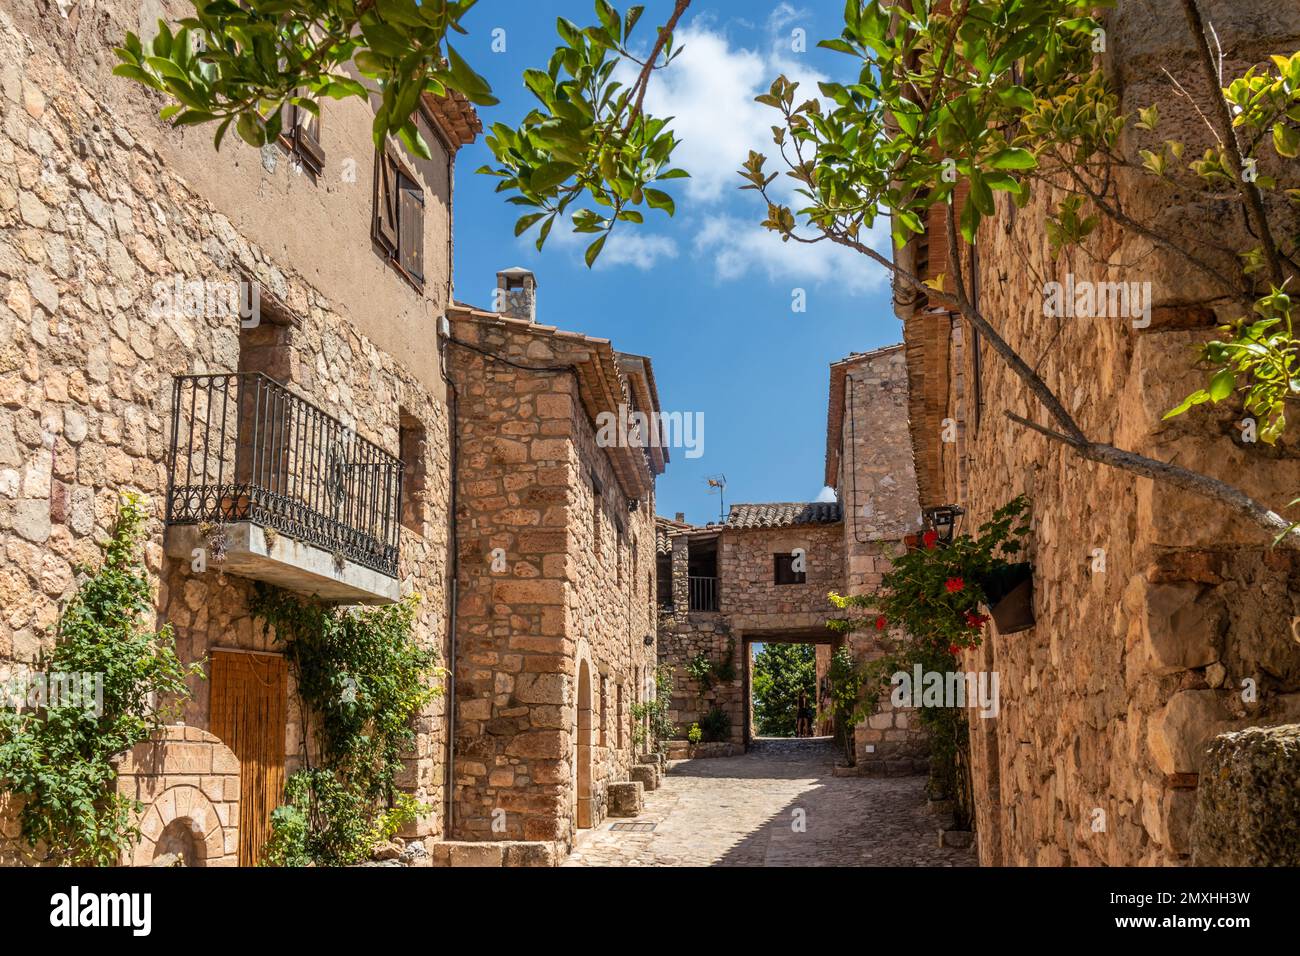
625	799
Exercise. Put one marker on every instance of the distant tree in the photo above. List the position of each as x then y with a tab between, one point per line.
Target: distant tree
781	671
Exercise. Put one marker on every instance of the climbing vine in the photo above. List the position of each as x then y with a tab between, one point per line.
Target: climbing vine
361	679
57	757
846	704
652	722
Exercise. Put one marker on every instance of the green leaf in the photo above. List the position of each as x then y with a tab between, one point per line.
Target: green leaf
410	137
1199	397
549	175
1222	384
523	222
1012	158
1286	140
593	250
476	89
250	130
658	199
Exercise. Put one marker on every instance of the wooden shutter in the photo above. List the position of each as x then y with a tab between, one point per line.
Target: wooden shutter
410	221
247	712
386	202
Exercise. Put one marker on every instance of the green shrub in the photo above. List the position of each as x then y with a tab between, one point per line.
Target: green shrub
361	678
59	758
715	725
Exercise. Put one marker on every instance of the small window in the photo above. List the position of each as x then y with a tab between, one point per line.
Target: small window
785	572
304	138
620	717
620	542
596	507
411	442
604	710
399	218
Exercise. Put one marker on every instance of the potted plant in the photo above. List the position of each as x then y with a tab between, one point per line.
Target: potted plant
1009	594
693	738
934	592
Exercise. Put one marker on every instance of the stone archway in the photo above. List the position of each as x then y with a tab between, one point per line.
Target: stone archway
188	781
583	748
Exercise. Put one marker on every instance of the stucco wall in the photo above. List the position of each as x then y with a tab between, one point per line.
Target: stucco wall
319	226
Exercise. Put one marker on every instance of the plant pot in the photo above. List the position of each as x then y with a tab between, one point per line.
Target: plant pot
1010	595
912	541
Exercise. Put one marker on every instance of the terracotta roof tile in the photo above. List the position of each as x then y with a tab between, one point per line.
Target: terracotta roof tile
783	514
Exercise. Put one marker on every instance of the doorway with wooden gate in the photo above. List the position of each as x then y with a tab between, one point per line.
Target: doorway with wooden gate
248	707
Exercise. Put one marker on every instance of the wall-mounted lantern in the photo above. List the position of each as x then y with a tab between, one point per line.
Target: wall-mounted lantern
942	519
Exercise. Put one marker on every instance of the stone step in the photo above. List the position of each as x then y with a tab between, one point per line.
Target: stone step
801	746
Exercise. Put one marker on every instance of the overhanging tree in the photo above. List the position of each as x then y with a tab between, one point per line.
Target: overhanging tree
588	152
1010	96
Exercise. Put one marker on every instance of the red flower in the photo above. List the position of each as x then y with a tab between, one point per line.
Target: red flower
881	622
954	650
954	585
930	537
975	619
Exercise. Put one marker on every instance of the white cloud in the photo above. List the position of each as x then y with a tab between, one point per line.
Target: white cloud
627	245
827	494
636	249
709	91
739	247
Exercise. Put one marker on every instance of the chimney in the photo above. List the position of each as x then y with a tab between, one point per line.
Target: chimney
681	517
517	294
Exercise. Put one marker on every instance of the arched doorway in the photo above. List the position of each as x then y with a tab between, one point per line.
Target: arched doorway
583	759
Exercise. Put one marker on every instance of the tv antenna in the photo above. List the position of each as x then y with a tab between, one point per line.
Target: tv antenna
717	485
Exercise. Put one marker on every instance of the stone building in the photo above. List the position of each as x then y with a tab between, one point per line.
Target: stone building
1137	660
555	572
268	443
259	343
763	574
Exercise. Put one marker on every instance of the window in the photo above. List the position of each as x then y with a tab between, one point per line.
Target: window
620	716
399	218
620	541
596	491
785	572
604	710
411	448
664	580
303	138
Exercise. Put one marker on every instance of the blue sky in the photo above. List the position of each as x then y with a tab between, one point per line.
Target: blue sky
706	294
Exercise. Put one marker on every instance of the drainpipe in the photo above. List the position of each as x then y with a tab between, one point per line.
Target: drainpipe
449	774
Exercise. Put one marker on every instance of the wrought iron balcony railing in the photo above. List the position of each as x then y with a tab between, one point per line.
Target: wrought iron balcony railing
245	448
704	593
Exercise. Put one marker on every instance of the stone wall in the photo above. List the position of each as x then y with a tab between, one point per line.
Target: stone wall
268	198
91	219
188	783
569	592
1109	703
870	465
748	592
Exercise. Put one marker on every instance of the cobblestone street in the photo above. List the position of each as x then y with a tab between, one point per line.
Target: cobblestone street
745	811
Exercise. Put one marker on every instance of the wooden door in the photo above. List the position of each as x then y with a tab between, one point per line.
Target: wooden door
248	714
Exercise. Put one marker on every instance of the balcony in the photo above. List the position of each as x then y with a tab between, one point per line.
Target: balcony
272	488
704	593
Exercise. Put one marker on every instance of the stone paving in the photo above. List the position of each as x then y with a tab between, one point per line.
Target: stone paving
747	811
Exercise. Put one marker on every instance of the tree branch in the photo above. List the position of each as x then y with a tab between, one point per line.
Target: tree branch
1176	476
1249	192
